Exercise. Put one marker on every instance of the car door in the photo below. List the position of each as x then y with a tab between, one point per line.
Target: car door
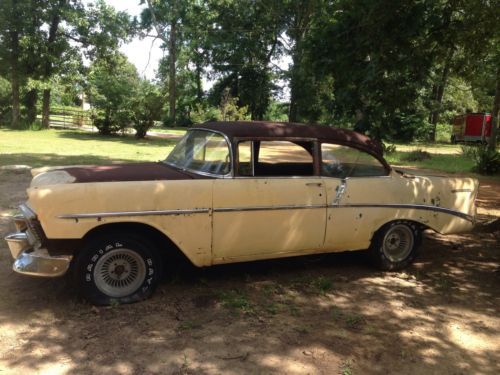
355	182
276	207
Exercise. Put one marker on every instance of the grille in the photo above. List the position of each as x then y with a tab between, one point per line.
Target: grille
35	228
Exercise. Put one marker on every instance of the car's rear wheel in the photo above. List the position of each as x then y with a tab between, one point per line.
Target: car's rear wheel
395	245
117	268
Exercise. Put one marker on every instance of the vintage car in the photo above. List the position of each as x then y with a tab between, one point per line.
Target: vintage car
230	192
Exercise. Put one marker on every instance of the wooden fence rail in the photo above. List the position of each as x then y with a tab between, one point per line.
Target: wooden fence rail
69	118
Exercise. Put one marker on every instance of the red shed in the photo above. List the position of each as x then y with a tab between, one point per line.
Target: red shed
471	127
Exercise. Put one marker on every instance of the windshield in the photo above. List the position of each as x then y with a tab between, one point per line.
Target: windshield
201	151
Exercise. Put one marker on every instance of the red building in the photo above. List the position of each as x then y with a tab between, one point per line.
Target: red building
471	127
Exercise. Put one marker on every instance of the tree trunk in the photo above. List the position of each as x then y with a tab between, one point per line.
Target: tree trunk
172	95
30	100
46	108
439	92
14	62
16	112
48	71
494	114
199	89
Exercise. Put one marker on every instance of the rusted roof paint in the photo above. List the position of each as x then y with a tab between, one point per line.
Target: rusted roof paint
265	129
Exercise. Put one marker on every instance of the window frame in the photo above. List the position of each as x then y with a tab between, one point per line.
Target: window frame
382	161
229	174
316	151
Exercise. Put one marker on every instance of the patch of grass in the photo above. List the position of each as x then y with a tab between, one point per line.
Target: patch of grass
70	147
322	285
235	300
346	367
417	155
448	163
350	319
353	320
176	131
189	325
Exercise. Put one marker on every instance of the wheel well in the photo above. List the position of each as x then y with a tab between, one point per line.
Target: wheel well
168	249
421	227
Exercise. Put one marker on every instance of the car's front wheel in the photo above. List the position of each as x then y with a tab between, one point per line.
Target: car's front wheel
117	268
395	245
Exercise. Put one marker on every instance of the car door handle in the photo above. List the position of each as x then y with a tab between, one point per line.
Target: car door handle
319	184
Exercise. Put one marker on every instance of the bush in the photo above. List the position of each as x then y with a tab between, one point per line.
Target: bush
388	149
486	161
147	108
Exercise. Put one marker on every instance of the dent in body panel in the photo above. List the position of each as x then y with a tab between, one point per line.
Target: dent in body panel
351	228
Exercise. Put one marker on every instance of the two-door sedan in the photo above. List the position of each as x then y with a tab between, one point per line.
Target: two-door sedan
230	192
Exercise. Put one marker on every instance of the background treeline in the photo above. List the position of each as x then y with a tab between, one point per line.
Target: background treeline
391	69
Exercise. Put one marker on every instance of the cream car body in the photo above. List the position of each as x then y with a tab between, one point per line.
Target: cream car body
236	214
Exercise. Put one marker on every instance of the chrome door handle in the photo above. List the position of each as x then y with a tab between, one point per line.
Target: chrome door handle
318	184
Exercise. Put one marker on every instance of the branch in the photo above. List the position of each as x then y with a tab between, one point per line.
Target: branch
155	23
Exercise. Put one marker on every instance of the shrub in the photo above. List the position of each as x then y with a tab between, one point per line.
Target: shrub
486	161
147	108
388	149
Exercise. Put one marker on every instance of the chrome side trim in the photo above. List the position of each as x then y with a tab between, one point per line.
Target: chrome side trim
269	208
408	207
94	215
265	208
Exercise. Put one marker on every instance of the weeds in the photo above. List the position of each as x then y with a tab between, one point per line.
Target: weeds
322	285
346	367
486	161
235	300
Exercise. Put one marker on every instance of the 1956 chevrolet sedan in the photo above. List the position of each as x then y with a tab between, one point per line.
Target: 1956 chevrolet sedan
230	192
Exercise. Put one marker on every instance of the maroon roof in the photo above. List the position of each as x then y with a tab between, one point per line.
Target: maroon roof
128	172
265	129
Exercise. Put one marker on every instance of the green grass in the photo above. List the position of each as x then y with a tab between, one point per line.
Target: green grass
175	131
67	147
449	163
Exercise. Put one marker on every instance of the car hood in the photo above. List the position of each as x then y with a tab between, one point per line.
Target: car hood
108	173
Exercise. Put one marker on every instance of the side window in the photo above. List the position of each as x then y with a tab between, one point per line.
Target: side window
275	158
343	161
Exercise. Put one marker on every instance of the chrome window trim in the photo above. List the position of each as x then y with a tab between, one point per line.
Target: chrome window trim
231	157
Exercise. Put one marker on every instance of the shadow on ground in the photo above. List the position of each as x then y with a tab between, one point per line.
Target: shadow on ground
318	314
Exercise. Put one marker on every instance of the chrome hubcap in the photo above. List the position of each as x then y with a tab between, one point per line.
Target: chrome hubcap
398	242
119	272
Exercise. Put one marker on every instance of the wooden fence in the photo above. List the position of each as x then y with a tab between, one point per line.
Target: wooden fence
69	118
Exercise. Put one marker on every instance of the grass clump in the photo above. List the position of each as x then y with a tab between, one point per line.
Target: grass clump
417	155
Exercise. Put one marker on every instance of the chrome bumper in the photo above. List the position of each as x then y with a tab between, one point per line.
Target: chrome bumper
35	262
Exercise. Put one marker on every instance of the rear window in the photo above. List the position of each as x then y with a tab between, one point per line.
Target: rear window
343	161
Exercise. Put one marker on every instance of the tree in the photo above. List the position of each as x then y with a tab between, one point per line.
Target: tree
112	86
165	18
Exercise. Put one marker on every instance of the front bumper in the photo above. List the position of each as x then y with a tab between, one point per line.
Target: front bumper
30	258
35	262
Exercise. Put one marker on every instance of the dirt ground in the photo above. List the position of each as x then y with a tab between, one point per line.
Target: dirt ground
331	314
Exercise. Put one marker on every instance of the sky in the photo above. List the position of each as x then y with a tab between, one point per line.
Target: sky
146	53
